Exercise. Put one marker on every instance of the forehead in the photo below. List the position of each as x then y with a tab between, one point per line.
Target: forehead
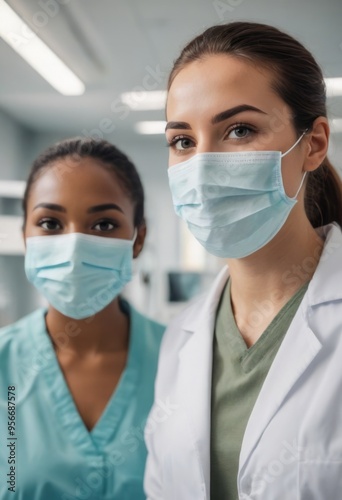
81	179
220	80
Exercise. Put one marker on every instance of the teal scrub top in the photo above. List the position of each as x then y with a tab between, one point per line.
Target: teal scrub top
44	440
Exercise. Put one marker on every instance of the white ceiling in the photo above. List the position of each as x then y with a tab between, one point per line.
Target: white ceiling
114	44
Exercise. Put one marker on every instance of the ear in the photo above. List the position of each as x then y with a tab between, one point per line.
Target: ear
139	240
317	144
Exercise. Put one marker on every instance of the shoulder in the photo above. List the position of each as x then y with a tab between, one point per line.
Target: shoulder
183	322
325	286
16	347
16	331
159	328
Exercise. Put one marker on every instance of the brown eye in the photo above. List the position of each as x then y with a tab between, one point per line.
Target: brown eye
105	225
49	224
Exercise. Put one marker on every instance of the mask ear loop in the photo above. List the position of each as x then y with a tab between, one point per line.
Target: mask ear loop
135	235
300	185
135	262
295	144
287	152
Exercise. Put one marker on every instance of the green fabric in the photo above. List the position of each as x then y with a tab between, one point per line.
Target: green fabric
238	375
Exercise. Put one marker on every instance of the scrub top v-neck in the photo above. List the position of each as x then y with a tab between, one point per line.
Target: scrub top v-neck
56	456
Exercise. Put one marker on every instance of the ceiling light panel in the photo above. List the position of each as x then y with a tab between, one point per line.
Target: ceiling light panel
37	54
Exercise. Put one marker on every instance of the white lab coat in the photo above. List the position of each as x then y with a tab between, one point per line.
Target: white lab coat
292	446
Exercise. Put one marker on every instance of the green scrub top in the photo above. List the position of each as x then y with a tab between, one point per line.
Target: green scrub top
238	375
46	451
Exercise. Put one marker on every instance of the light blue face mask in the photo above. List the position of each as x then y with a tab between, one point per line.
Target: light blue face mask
233	203
78	274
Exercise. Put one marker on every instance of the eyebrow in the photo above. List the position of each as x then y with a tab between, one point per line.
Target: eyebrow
106	206
182	125
224	115
220	117
50	206
91	210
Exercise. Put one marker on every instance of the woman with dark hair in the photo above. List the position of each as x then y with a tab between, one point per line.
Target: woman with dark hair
254	368
79	375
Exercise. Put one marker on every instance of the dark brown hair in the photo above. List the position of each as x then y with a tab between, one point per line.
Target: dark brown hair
298	81
106	153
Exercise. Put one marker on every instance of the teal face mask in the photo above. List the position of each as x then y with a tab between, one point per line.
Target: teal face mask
233	203
78	274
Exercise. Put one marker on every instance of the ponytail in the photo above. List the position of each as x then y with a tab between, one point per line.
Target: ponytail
323	195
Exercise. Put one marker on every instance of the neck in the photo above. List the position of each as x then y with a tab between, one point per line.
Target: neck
105	331
278	270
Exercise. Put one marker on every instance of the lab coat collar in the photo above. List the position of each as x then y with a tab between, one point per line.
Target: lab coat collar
297	351
324	286
208	303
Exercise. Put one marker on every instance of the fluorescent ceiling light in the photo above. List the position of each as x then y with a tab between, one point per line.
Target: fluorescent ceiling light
12	189
144	100
336	125
36	53
150	128
334	86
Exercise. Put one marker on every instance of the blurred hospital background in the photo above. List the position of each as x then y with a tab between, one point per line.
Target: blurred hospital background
121	52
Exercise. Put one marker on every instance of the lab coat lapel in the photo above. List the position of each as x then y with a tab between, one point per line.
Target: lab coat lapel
296	353
195	374
300	345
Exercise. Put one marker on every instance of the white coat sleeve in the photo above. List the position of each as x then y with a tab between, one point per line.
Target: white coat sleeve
153	483
153	471
157	429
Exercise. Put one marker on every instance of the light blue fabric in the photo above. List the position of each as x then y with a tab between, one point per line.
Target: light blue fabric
233	203
56	456
78	274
